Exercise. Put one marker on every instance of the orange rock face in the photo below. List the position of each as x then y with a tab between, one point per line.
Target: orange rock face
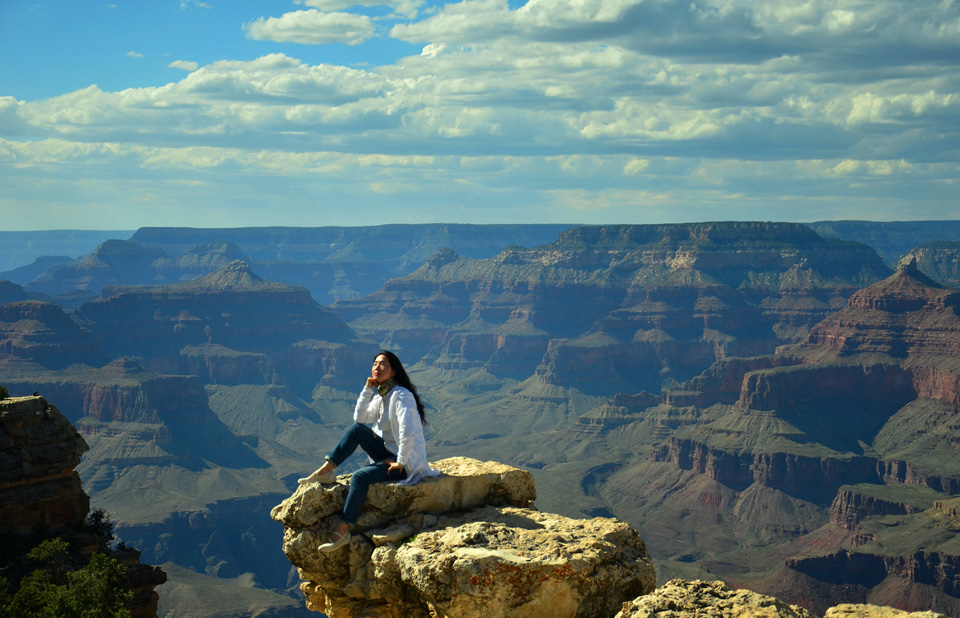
39	449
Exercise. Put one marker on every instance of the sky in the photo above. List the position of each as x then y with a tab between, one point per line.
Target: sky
229	113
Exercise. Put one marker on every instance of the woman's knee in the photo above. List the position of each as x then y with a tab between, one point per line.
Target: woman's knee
357	430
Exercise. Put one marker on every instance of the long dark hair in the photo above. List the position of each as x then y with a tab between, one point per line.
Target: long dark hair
400	375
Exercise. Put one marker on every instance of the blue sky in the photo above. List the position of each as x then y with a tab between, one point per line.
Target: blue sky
124	114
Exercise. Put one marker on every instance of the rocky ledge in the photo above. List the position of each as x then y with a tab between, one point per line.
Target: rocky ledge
853	610
464	544
39	450
692	599
682	599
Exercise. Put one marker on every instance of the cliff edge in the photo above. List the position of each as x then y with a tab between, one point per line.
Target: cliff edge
461	545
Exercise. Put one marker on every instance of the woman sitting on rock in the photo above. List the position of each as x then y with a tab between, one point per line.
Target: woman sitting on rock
395	443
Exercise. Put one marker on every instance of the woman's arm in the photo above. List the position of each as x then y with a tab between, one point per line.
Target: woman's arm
363	412
408	424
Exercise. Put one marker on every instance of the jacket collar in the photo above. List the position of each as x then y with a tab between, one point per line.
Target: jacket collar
385	388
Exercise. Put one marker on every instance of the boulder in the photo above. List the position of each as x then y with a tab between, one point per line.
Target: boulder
464	544
853	610
679	598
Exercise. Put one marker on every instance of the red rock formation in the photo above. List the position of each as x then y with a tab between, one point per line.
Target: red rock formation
672	298
871	398
39	449
215	364
815	478
907	314
232	307
844	569
804	385
851	507
122	390
723	382
43	333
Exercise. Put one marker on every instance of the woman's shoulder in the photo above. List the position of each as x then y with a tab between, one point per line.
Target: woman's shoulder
400	391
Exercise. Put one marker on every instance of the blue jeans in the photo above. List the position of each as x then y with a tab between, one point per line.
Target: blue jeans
374	446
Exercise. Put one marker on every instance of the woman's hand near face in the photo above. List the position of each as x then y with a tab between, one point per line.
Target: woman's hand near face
371	383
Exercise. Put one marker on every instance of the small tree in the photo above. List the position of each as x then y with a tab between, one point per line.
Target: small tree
4	393
99	521
55	590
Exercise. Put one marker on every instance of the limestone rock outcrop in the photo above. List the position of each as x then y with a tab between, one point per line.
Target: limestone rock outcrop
464	544
39	449
681	599
854	610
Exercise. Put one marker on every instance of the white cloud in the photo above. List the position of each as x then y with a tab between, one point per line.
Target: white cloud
11	122
558	102
470	21
312	27
403	8
133	54
635	166
185	65
433	50
831	33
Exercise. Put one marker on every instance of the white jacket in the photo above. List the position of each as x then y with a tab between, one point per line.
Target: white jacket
401	408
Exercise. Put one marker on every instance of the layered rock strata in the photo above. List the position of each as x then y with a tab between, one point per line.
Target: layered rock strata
851	507
465	544
904	315
840	446
914	582
39	450
41	332
618	308
231	326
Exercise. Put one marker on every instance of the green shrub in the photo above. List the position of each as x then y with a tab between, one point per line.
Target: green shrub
100	522
4	393
56	590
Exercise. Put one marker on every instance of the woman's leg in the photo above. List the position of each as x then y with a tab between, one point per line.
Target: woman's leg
360	482
355	435
364	437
